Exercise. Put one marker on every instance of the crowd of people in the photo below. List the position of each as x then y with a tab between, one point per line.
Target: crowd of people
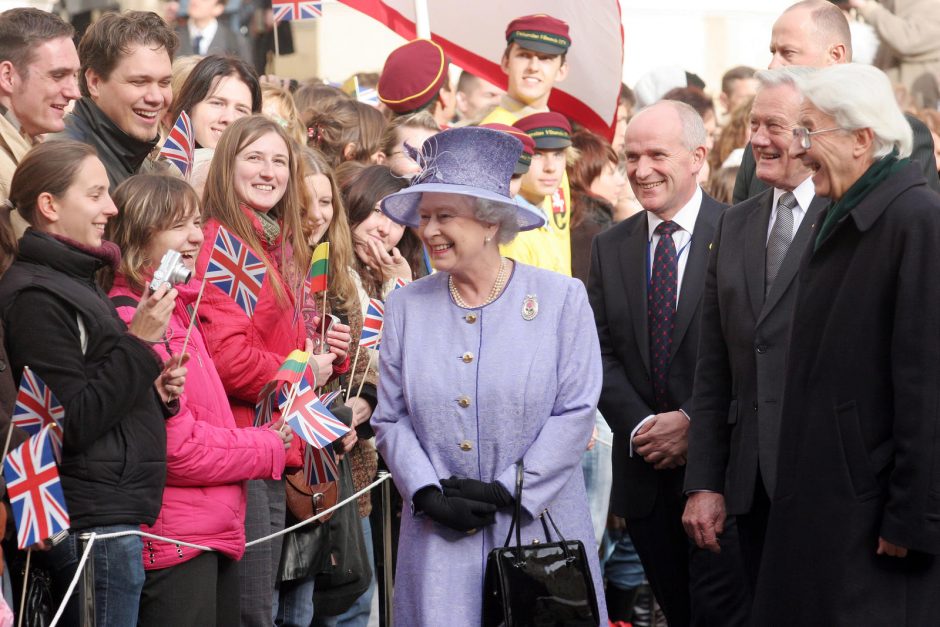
705	345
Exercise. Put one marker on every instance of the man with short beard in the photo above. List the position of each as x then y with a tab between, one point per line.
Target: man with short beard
125	83
38	70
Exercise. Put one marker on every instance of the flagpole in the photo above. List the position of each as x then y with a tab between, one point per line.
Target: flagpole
363	381
422	20
22	612
352	372
277	48
192	321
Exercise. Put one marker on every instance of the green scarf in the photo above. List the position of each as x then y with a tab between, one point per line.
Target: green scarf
874	175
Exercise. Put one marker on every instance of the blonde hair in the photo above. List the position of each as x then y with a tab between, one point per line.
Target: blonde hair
421	119
289	117
341	287
147	204
220	200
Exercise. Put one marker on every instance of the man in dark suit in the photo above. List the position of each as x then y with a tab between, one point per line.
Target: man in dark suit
815	33
645	285
203	34
750	289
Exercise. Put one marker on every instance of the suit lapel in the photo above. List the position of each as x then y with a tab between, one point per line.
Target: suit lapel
693	280
633	272
755	250
791	262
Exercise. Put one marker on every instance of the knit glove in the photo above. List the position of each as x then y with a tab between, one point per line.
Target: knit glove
492	492
453	512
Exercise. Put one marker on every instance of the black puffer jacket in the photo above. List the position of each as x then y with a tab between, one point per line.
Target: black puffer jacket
114	447
122	155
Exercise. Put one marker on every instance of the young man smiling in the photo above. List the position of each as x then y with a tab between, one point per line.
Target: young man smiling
534	61
125	84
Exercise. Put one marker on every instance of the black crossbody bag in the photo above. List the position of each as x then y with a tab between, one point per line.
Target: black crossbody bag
538	585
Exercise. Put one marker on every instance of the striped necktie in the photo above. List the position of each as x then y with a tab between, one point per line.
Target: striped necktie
780	237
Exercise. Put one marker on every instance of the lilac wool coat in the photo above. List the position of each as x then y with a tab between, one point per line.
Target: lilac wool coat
468	392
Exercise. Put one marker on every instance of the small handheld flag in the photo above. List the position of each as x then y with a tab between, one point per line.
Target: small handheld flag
319	268
287	375
180	144
35	490
236	270
372	324
310	420
36	405
320	465
399	282
296	10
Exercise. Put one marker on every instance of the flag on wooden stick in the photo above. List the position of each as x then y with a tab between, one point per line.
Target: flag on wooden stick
319	269
35	490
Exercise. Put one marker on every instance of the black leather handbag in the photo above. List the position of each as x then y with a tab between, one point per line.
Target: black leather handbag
538	585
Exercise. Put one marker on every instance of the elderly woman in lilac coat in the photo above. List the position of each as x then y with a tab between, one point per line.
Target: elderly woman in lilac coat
484	363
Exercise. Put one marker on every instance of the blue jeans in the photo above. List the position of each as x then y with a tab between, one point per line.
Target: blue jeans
621	564
598	477
360	611
119	573
294	603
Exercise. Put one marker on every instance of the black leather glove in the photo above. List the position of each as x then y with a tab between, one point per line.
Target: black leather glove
492	492
454	512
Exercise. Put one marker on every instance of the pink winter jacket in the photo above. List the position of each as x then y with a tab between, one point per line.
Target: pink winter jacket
208	457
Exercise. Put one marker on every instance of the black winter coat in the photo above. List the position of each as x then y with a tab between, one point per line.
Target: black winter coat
113	465
859	451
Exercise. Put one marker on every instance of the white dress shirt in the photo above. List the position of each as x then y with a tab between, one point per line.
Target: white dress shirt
207	34
804	192
685	218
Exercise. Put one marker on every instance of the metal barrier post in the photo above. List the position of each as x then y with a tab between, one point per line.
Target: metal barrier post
86	592
387	548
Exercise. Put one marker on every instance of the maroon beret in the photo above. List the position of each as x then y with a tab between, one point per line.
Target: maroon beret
541	33
412	76
528	144
550	130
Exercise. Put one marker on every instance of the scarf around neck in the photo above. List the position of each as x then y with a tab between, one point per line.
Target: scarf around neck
873	176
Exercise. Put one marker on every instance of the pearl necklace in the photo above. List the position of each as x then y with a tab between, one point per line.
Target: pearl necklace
497	287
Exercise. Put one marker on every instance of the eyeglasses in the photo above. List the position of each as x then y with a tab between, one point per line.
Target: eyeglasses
803	134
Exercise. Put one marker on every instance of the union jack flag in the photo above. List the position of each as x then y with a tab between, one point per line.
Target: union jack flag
310	420
368	95
180	144
372	324
36	405
399	282
264	408
236	270
296	10
327	398
35	491
320	465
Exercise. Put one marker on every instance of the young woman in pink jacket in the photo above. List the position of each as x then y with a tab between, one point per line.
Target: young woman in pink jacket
209	459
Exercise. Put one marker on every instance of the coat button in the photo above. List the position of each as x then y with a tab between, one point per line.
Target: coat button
463	401
755	405
467	358
3	365
761	349
466	445
470	318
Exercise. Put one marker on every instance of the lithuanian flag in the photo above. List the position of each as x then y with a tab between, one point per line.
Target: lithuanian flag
293	367
319	268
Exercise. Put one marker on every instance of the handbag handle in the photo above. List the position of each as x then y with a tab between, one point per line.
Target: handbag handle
548	536
517	508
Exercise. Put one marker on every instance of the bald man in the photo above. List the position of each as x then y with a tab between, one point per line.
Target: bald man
815	33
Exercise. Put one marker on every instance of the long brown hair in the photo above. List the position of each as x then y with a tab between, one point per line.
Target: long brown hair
220	201
594	154
147	204
341	287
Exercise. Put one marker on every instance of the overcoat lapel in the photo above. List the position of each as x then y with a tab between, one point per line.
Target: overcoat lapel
633	271
755	251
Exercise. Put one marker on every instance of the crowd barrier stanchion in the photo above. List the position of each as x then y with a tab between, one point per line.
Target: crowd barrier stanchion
87	591
388	584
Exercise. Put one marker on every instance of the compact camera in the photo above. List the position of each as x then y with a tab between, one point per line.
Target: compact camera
171	272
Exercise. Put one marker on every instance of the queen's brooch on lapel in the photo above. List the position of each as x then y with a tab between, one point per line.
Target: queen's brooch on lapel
530	307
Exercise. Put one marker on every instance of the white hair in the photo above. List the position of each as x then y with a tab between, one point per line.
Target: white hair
786	75
860	96
500	214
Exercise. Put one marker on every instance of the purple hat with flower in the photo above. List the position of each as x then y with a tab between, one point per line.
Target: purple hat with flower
469	161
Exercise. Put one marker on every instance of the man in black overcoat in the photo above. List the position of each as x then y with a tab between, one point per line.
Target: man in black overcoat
854	526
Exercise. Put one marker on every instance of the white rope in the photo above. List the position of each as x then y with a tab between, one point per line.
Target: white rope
78	573
323	513
93	537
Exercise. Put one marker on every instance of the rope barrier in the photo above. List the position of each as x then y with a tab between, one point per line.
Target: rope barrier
94	537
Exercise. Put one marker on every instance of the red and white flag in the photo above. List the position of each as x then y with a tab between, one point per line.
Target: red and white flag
473	34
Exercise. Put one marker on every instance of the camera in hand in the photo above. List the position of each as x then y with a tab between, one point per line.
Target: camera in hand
171	272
